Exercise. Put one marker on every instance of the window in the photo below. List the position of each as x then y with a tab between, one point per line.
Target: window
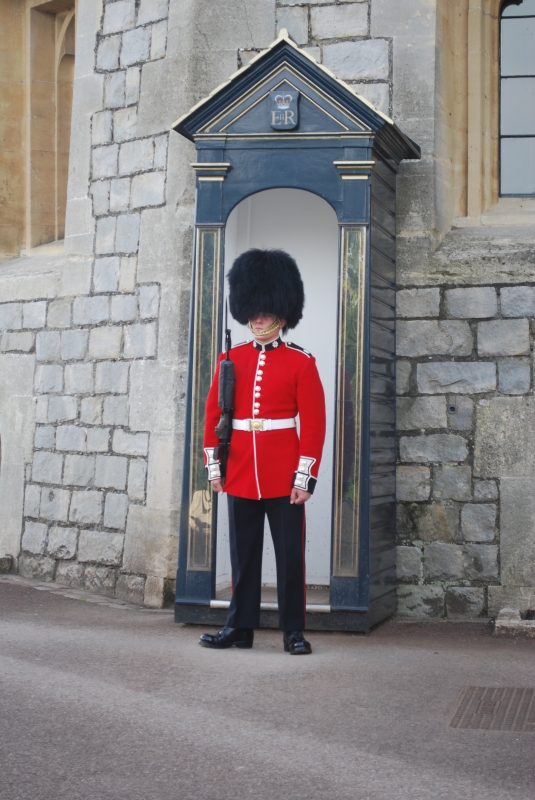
517	98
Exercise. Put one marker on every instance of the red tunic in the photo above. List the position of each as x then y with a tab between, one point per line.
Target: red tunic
274	381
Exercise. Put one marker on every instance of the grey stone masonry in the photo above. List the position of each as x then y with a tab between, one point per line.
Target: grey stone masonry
477	303
413	483
503	338
418	302
421	412
431	337
339	22
435	447
454	376
517	301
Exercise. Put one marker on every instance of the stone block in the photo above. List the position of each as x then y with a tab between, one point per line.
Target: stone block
100	191
123	308
149	298
418	302
403	376
100	580
124	125
115	510
456	376
481	562
127	236
460	410
503	337
412	483
295	20
444	562
62	542
39	567
421	412
518	301
378	94
70	574
514	376
119	16
160	152
78	378
59	314
485	490
108	53
478	522
41	408
518	597
452	483
517	532
136	47
106	274
74	344
91	310
474	303
136	156
420	601
366	59
111	376
505	438
464	602
140	340
436	522
10	316
79	470
158	42
48	378
133	76
32	500
101	132
130	588
98	440
127	274
156	589
54	504
111	472
115	410
105	342
12	342
436	447
152	11
105	161
114	89
47	345
120	195
148	189
105	236
45	437
137	476
47	467
339	22
62	408
86	507
34	537
408	564
131	444
100	547
91	410
34	314
6	564
71	437
433	337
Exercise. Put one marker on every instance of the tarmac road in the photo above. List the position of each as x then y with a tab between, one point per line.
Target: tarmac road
100	700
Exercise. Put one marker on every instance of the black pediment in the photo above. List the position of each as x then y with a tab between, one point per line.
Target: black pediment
284	92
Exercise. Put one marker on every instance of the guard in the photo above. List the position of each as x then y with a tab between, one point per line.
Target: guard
270	469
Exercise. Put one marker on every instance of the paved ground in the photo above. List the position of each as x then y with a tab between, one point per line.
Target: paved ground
101	700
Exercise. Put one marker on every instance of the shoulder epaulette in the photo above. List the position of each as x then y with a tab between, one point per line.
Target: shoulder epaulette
293	346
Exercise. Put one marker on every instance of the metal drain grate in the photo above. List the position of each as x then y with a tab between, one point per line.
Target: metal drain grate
482	708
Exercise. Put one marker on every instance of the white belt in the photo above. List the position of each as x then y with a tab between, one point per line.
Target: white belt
262	424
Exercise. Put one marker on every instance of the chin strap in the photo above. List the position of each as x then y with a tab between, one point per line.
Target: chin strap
272	328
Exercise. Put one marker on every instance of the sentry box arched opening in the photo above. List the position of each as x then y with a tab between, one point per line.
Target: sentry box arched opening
288	156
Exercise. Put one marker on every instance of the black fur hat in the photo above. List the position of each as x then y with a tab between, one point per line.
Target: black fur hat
266	281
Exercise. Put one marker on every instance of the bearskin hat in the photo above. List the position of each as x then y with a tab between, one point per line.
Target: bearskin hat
266	281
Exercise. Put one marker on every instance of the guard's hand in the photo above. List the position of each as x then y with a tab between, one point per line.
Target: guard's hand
299	496
217	486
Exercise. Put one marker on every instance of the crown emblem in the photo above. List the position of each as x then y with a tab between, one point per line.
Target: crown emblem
283	100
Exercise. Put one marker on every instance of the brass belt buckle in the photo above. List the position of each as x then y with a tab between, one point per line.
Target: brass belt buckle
256	424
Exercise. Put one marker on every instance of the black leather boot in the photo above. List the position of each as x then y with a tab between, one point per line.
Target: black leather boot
296	644
228	637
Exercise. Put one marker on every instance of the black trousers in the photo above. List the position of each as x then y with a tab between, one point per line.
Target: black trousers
246	533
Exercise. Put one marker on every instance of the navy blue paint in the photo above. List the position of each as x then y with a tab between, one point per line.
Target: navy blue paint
262	159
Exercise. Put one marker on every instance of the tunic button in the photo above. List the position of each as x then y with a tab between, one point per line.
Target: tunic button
257	405
259	372
258	378
255	411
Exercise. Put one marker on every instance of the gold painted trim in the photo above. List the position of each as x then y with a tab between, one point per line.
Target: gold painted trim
210	165
283	35
253	137
211	177
354	177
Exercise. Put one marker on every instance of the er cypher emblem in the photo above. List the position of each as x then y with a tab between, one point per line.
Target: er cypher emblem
283	111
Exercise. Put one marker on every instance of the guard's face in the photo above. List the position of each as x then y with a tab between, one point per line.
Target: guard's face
264	322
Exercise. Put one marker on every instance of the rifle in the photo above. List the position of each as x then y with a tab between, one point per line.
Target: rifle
225	402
